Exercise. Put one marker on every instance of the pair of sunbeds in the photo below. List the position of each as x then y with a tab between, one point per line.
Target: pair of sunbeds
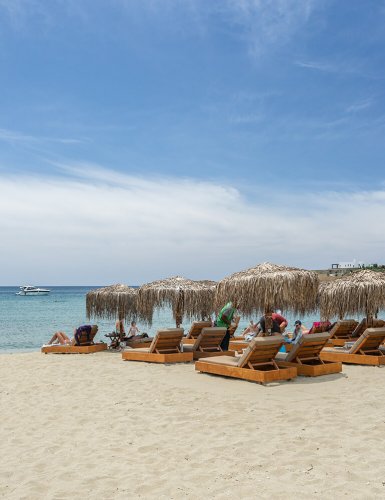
169	346
350	330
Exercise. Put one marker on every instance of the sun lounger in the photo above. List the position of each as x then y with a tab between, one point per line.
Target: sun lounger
165	348
363	325
86	346
305	356
73	349
195	331
256	364
365	351
342	331
208	344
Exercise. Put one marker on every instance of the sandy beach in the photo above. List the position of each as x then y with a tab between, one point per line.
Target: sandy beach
93	426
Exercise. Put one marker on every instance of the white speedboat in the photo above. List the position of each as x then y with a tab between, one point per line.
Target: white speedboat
32	290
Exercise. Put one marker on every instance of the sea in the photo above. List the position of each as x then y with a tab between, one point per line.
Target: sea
28	322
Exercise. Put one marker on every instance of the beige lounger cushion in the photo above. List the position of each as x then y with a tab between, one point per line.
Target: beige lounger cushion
141	349
301	345
369	333
256	345
210	339
223	360
163	335
196	328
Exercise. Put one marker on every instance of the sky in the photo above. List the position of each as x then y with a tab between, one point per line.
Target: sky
142	139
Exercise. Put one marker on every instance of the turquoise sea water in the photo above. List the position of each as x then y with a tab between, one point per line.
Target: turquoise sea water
28	322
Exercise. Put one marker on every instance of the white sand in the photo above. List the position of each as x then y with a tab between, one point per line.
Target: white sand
93	426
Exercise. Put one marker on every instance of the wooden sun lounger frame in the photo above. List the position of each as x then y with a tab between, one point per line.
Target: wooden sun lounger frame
165	346
208	343
73	349
368	352
307	358
251	374
254	371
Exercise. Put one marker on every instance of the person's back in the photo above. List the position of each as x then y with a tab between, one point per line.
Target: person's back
267	325
282	322
225	315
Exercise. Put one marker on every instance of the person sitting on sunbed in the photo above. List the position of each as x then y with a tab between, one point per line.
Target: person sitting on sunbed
134	332
89	330
299	330
267	325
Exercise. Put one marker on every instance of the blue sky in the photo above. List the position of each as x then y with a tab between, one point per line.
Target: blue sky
141	139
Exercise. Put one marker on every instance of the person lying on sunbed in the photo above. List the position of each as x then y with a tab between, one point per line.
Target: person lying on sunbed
63	339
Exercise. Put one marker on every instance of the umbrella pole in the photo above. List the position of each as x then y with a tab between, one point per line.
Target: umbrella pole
179	309
369	316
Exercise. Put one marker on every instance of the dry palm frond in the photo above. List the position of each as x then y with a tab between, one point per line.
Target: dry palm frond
269	286
361	292
192	299
114	301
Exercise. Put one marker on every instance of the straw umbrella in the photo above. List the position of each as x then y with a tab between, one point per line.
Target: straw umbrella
268	286
114	301
186	297
361	292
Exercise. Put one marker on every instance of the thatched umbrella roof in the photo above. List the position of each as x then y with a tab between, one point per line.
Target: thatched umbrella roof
186	297
361	292
269	286
114	301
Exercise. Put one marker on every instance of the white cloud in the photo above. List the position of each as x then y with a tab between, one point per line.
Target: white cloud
360	105
262	24
327	67
270	23
13	137
102	227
